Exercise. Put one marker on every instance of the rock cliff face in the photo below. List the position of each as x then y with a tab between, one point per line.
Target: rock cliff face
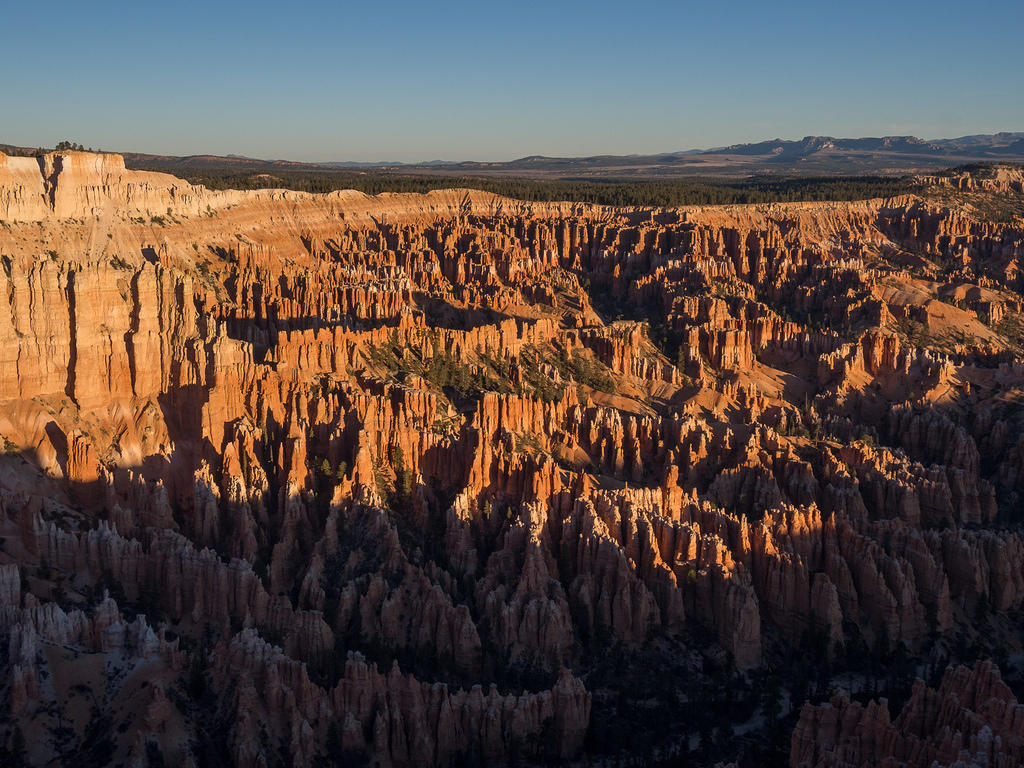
290	476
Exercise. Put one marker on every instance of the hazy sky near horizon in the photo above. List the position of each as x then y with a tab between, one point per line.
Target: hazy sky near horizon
412	81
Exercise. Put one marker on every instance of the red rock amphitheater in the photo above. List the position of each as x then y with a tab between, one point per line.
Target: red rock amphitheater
452	479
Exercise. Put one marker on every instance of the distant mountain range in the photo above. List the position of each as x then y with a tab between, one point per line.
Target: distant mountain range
1001	143
809	156
812	155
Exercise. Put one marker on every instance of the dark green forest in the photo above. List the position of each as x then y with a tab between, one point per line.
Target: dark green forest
661	192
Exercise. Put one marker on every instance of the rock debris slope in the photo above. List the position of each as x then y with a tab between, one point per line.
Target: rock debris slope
293	479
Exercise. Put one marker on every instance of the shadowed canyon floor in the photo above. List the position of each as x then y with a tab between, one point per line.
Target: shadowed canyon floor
453	479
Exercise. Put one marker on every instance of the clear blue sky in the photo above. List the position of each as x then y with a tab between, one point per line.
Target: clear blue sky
493	81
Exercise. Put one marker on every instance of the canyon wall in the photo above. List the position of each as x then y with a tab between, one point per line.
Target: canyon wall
383	475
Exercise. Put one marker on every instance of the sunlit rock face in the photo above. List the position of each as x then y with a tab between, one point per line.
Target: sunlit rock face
293	478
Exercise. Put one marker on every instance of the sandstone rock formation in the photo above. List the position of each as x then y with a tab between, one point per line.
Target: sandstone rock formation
972	719
300	476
